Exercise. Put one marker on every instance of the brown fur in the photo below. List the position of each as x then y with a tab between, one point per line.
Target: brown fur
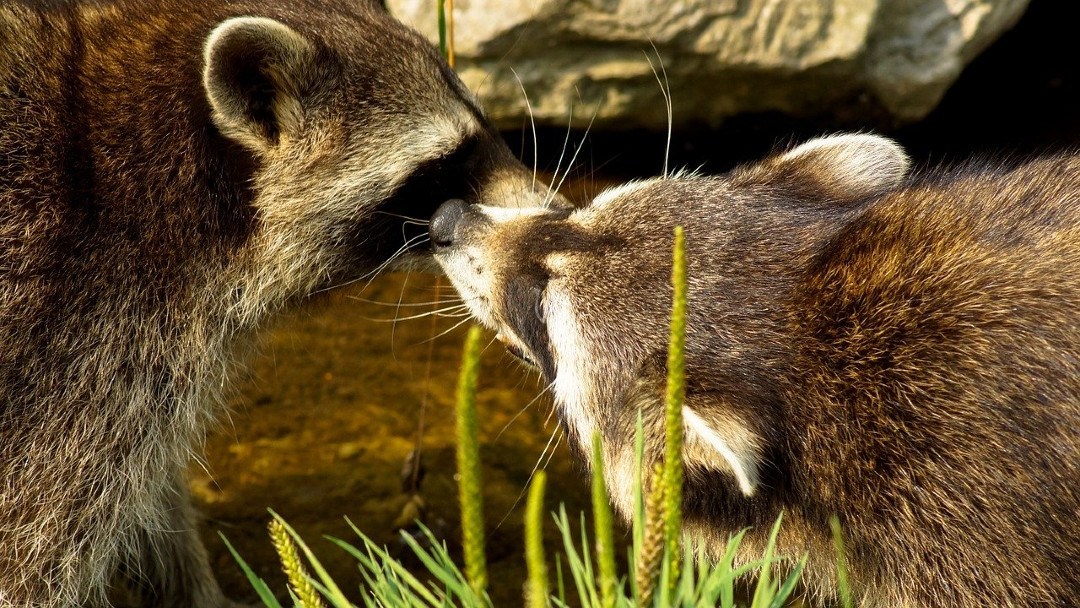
902	352
164	192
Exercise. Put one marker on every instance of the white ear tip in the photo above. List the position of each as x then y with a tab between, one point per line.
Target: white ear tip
860	161
869	142
738	452
238	84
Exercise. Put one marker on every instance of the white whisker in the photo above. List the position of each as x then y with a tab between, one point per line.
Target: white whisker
416	220
665	90
419	239
397	311
532	123
556	434
406	304
466	319
522	411
558	165
456	308
577	151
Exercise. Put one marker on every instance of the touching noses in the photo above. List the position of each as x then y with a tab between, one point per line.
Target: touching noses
444	223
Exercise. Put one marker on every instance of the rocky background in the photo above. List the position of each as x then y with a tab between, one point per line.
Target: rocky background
722	58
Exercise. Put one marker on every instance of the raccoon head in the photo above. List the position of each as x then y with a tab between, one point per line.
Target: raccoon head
357	131
585	297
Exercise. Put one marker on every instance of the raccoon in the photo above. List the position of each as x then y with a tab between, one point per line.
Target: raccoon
172	175
901	351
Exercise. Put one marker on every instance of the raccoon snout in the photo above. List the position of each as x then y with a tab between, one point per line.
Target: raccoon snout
445	221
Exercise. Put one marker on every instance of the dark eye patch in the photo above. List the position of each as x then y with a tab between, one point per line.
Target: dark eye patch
452	175
524	313
456	174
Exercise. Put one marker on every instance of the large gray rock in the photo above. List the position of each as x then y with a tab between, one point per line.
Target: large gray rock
722	57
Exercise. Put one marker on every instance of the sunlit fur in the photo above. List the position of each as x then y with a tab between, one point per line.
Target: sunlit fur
902	351
172	174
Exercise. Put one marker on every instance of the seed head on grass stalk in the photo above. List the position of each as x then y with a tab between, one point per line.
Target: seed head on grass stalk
653	543
602	527
537	592
468	464
293	568
673	402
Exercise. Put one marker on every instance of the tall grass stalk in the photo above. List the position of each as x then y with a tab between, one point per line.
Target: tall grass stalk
841	563
603	527
468	464
441	11
637	530
446	30
537	590
673	403
674	397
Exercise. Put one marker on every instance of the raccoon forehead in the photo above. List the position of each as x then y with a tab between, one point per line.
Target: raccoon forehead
645	203
430	136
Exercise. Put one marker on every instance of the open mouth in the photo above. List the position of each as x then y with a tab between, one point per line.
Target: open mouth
516	351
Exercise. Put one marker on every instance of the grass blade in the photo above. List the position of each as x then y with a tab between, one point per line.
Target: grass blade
841	562
603	529
260	586
468	463
537	593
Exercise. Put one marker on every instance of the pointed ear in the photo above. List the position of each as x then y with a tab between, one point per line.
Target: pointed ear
256	73
848	165
723	443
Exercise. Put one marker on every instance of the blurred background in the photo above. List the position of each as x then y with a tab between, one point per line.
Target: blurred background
342	393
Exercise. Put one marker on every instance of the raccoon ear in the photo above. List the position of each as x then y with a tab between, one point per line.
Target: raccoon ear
256	72
849	165
727	444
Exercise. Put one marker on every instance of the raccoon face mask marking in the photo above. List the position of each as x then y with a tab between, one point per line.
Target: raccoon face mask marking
416	139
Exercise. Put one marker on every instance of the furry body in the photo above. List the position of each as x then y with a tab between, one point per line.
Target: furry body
171	175
900	351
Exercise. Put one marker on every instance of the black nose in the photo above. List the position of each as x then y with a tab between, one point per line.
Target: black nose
444	222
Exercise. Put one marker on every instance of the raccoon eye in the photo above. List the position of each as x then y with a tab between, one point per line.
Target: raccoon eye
452	175
464	157
538	303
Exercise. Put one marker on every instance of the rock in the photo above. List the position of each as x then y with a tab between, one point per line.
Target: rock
722	57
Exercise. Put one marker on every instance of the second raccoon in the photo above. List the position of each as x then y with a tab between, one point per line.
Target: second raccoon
901	351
